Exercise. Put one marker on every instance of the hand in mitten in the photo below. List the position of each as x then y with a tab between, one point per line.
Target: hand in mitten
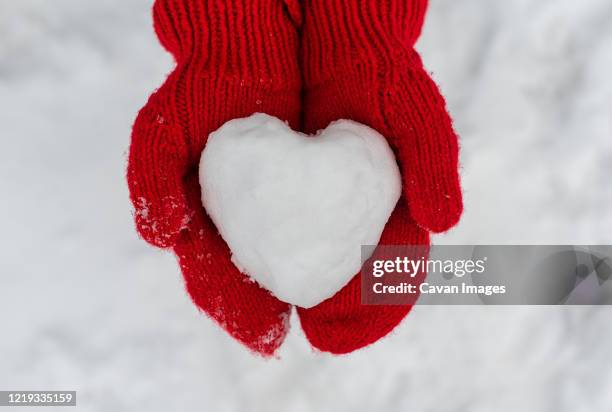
234	58
359	63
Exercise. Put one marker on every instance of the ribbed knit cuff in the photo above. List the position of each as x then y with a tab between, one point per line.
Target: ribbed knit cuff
338	32
242	38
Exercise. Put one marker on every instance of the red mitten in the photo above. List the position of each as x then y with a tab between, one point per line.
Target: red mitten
234	58
359	63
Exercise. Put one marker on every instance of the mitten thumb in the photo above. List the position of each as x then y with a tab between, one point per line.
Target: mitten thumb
157	163
427	148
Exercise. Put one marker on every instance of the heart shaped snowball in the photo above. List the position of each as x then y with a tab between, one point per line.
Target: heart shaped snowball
295	209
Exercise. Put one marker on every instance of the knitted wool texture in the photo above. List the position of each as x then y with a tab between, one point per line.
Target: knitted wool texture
359	63
233	58
238	57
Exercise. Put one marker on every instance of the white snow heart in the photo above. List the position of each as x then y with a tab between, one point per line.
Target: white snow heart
295	209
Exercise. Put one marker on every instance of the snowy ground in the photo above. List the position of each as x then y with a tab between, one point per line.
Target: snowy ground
86	305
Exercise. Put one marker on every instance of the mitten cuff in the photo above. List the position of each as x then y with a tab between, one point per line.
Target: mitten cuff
242	38
340	32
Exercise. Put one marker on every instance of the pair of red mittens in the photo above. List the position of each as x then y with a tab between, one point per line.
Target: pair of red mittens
235	58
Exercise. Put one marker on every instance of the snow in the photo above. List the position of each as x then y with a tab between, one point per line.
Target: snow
295	209
86	305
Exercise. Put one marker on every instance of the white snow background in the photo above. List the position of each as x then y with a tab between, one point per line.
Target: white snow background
85	305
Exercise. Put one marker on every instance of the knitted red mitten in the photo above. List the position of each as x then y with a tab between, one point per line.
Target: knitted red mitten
233	58
359	63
